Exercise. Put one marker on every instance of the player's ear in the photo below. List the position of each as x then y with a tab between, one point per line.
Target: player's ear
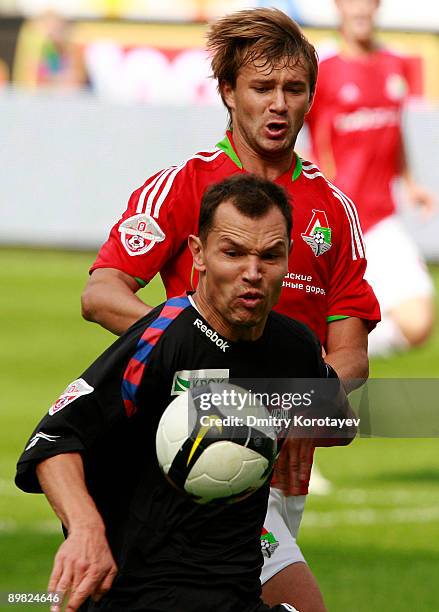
310	100
196	248
227	94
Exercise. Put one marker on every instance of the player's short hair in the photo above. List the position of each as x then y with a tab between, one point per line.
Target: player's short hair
266	36
252	196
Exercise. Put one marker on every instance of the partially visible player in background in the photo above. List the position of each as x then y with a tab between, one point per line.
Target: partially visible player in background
266	72
355	128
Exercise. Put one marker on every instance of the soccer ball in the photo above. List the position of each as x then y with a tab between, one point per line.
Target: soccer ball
319	238
215	443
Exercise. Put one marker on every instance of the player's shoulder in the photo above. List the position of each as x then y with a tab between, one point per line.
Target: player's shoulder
393	61
391	54
134	337
205	160
291	332
161	317
182	179
314	177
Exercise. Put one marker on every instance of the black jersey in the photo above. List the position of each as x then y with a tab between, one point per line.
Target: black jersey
163	543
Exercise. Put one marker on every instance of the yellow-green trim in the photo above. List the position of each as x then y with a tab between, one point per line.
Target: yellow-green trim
297	168
336	318
226	146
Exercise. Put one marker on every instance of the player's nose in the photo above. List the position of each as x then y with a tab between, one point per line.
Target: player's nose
252	271
278	101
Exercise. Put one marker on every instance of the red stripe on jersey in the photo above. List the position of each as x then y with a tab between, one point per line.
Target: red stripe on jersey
170	312
135	371
130	407
152	334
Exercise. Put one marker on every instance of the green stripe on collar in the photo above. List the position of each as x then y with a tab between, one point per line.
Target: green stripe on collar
297	168
226	146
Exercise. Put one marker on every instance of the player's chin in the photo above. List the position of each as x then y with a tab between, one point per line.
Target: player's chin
250	317
275	146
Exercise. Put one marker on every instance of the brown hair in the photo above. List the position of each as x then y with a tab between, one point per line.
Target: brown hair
251	195
266	36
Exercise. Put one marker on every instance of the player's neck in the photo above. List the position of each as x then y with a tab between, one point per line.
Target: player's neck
264	166
352	47
219	324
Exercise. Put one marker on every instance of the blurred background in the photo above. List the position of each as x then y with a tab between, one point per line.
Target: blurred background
95	96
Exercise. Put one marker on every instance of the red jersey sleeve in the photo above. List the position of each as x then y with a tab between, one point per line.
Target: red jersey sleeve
158	219
350	295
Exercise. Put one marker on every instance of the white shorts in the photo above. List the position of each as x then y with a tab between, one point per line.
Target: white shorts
278	539
395	267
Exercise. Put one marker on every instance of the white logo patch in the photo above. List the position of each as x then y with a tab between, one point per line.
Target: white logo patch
140	233
40	436
74	390
396	87
350	92
188	379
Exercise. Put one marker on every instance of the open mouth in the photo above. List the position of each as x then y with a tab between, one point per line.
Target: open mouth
276	129
251	299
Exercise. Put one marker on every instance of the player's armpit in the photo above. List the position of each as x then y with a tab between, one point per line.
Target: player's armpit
109	299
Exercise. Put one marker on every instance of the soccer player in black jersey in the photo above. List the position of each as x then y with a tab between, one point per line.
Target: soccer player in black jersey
132	541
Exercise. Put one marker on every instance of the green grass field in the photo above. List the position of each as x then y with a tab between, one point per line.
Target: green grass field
373	543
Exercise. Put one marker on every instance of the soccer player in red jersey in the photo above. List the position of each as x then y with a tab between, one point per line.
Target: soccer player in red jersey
355	127
266	72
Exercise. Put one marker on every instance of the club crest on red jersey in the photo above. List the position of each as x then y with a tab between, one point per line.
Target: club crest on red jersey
268	543
396	87
140	233
74	390
349	93
318	233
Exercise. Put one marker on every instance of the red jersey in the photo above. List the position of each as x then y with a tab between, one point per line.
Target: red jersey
326	266
355	127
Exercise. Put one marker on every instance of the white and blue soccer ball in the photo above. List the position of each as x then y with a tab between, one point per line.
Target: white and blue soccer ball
212	450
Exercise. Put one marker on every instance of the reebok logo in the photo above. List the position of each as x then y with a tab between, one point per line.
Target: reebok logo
212	335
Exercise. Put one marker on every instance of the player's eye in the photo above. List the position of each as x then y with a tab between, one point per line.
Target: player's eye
260	89
295	89
270	255
231	253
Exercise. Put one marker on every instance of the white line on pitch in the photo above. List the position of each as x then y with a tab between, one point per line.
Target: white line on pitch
370	516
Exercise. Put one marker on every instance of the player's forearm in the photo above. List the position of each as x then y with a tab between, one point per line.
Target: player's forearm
351	365
346	351
109	299
62	480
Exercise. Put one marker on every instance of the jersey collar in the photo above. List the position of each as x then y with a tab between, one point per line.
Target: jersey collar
228	147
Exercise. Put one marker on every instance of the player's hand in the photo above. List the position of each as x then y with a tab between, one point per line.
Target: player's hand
293	468
83	567
422	198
